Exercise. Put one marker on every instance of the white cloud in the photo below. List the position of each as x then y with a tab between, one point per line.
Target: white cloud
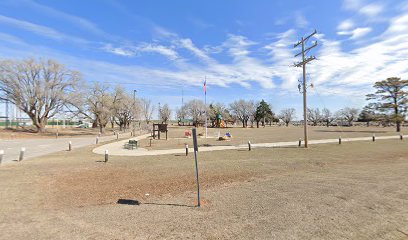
300	20
356	33
371	10
77	21
352	4
40	30
345	25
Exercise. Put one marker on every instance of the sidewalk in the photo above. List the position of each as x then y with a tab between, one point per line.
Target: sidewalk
117	149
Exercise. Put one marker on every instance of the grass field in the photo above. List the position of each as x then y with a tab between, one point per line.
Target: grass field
356	190
262	135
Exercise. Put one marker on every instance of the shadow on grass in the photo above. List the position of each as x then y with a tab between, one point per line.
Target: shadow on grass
137	203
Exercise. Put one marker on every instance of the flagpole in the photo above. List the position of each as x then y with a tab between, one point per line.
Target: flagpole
205	103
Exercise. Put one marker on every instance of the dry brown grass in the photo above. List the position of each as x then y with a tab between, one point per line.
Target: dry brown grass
356	190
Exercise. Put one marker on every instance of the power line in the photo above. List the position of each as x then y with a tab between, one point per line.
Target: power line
303	83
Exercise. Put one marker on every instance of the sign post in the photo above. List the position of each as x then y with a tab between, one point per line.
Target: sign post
196	164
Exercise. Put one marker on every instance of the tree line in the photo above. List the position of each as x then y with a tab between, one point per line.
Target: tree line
42	89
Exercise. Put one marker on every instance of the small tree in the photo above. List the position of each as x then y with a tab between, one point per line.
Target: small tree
147	109
196	110
327	117
165	113
367	115
242	110
349	114
263	111
38	88
287	115
314	116
390	98
181	114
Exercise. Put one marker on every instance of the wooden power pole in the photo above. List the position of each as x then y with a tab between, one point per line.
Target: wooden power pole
303	84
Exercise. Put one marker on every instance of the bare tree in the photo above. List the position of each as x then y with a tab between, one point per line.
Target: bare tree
287	115
314	116
327	117
196	110
349	114
147	109
181	114
165	113
125	108
98	105
38	88
243	110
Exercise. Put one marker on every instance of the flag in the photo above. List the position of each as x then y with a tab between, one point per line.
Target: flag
205	86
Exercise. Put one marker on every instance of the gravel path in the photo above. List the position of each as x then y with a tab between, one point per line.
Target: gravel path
117	148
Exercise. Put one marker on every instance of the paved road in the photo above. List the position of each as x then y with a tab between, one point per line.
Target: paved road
43	146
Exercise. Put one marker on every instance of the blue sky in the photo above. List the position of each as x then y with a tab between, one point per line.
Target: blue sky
244	48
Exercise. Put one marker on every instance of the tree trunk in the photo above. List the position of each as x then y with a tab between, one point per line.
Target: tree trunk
257	124
101	128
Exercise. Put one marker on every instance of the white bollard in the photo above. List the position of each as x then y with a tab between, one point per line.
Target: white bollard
97	140
117	136
106	156
1	155
21	157
69	146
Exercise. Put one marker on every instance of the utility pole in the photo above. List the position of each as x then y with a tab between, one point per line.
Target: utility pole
303	84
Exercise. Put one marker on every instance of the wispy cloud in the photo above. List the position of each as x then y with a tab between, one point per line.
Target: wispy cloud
79	22
356	33
40	30
371	10
345	25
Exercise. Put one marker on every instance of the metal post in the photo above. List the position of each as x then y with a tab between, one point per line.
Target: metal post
106	156
249	145
21	157
196	164
186	149
300	142
339	140
373	137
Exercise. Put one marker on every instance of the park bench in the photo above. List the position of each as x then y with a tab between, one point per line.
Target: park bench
132	144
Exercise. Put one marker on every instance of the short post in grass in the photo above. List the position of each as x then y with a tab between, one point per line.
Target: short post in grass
106	156
340	140
249	145
1	155
69	146
194	131
373	137
401	137
300	142
186	145
96	140
21	157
